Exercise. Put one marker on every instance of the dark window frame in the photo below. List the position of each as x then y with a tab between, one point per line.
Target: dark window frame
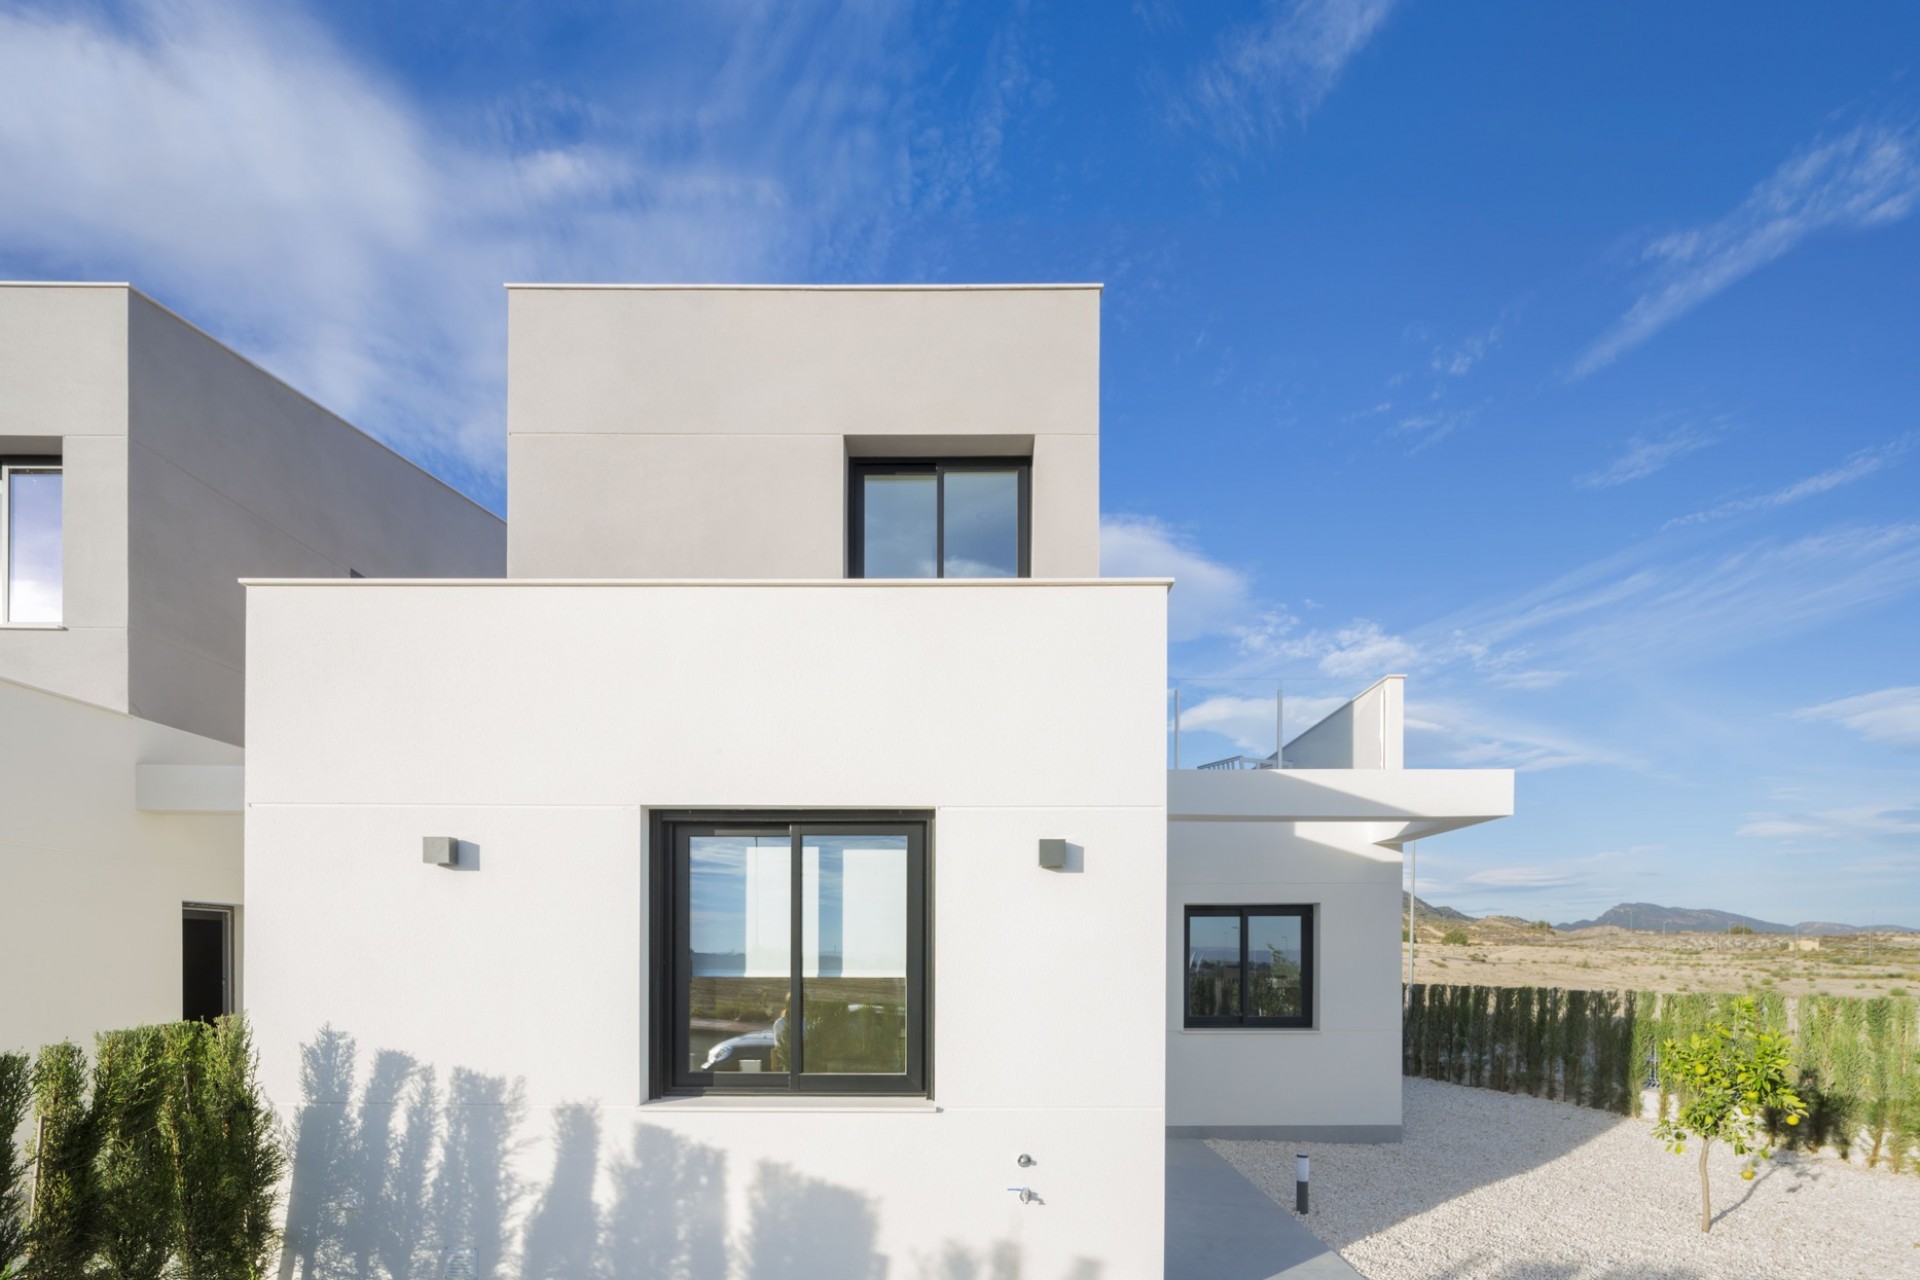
209	912
860	468
1304	913
670	977
30	463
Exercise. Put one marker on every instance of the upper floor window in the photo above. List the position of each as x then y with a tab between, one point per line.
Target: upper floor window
30	573
955	519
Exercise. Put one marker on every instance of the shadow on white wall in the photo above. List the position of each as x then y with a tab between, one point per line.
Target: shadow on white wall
397	1179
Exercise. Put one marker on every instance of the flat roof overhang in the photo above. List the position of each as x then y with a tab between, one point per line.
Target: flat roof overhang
1411	804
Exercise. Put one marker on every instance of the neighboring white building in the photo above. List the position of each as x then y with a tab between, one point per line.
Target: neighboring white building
1304	861
144	469
778	865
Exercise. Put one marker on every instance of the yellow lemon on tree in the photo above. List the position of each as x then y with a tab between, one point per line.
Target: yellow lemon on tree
1747	1174
1793	1119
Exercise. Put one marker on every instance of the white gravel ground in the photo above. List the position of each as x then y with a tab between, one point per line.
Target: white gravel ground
1495	1186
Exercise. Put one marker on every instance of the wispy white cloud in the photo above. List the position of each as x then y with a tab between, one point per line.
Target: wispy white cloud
1887	715
1633	609
1820	830
1866	177
1269	75
1361	648
1209	598
1857	466
1647	454
1458	359
959	153
242	165
1431	426
1463	733
1523	878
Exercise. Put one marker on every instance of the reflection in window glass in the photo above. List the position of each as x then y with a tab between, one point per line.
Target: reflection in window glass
901	517
1213	966
853	954
33	578
740	925
1273	966
982	518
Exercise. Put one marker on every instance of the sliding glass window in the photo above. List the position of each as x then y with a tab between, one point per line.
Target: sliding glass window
30	536
1249	967
952	519
791	956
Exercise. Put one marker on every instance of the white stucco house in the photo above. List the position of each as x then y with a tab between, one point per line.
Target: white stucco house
144	469
778	871
759	859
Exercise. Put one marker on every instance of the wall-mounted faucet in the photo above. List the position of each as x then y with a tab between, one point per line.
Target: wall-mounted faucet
1027	1195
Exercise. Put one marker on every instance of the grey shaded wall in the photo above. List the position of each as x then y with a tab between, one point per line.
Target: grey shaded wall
186	469
234	474
680	432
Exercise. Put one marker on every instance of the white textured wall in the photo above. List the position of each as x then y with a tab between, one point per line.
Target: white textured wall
540	723
1344	1073
1367	733
704	432
63	389
90	887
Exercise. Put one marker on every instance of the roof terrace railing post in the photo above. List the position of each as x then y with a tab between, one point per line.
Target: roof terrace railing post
1176	728
1279	727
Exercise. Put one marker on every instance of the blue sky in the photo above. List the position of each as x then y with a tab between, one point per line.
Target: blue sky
1560	356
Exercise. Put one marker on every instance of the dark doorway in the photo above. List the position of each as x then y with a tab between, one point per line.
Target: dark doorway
206	963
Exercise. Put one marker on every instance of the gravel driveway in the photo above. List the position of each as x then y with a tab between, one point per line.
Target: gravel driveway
1495	1186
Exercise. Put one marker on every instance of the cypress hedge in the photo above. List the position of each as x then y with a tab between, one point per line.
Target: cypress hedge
164	1161
16	1100
1858	1059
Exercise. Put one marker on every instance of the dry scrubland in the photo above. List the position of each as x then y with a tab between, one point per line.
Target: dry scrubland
1498	1186
1500	952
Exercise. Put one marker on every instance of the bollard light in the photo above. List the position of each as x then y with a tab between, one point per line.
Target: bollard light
1300	1184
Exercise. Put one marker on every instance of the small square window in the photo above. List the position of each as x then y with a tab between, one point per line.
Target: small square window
954	519
1249	967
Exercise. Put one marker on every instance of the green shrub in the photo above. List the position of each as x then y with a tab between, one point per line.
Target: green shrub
169	1170
16	1101
60	1234
133	1177
225	1151
1455	938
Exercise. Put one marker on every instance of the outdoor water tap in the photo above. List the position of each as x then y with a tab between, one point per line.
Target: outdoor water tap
1027	1195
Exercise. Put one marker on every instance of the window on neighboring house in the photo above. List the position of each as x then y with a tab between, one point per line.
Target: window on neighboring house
206	963
30	561
1249	967
790	954
957	519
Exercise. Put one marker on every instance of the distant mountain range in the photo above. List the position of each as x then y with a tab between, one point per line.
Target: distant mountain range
1648	917
1430	912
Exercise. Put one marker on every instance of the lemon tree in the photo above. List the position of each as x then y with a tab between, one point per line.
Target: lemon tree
1729	1080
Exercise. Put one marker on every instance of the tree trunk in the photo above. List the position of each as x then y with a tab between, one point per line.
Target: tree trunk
1706	1197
